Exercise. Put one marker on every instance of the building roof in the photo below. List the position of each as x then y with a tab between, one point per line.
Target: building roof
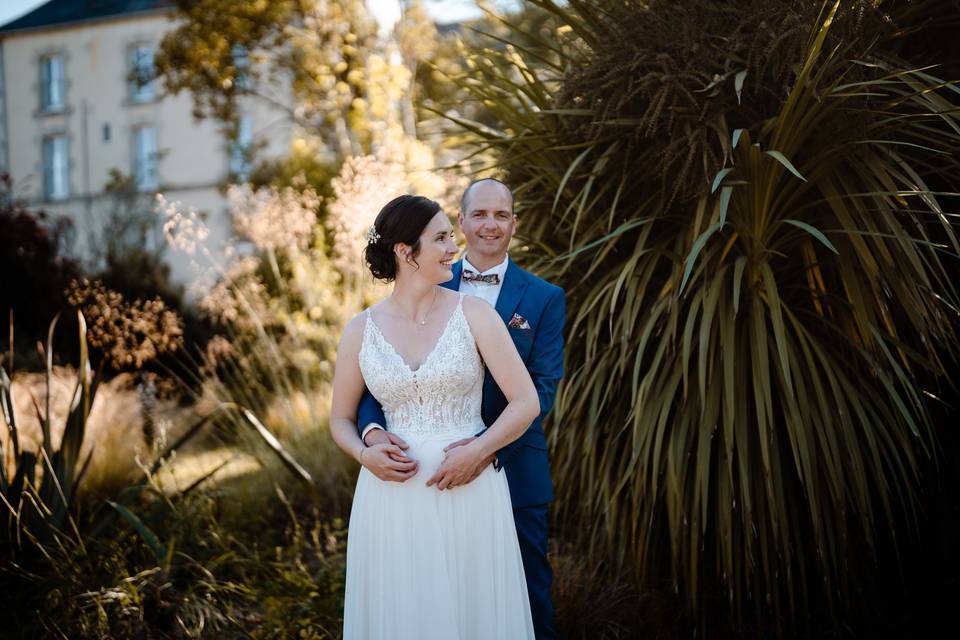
66	12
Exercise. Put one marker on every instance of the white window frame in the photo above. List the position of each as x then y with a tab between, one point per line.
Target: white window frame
240	149
53	82
146	158
143	83
241	63
56	167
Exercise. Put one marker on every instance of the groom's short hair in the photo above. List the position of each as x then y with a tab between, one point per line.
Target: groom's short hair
466	192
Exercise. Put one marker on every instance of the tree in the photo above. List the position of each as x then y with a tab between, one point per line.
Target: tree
418	41
746	205
318	60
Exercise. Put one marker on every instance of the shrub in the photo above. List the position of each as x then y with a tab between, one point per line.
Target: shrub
36	271
746	205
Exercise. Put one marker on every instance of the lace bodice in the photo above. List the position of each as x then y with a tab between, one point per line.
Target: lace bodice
442	397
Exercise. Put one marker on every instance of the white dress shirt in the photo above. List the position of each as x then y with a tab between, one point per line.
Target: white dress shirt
482	290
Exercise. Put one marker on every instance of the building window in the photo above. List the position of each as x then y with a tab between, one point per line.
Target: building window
56	168
52	81
242	149
145	158
241	65
106	132
142	83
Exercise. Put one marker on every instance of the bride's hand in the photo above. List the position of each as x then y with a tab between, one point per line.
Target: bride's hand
462	465
388	462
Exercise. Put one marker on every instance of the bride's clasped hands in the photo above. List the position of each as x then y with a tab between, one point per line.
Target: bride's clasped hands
386	458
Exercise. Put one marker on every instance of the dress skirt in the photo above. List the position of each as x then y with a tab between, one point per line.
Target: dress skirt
425	564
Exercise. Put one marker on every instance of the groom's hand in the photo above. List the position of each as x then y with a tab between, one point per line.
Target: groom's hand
461	466
381	436
388	462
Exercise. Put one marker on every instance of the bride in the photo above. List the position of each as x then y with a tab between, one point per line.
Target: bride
425	562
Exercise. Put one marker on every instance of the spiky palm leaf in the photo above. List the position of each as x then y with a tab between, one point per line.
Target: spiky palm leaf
748	356
41	512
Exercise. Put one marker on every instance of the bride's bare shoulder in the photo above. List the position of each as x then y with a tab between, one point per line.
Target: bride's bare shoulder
446	295
353	331
478	310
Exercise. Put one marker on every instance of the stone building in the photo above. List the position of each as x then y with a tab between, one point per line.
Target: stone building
78	99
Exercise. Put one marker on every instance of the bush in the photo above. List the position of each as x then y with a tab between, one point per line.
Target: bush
198	565
147	562
36	273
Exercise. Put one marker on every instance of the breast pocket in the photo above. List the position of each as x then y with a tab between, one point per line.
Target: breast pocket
523	339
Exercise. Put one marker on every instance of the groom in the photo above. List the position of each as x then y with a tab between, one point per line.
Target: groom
534	312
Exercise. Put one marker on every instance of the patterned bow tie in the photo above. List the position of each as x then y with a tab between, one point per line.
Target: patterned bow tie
473	276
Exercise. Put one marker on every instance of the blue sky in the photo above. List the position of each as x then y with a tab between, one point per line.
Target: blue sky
441	10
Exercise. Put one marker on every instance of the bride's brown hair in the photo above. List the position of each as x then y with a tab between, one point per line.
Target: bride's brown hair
402	219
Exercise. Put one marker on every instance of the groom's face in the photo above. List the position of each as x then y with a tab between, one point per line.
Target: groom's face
487	221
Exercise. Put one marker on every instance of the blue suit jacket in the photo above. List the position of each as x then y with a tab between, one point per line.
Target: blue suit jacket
543	306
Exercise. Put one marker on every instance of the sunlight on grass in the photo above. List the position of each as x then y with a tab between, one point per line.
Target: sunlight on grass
214	466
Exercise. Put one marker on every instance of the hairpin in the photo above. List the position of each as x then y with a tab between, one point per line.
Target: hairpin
372	235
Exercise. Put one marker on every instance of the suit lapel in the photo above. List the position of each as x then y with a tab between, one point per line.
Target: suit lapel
514	284
454	283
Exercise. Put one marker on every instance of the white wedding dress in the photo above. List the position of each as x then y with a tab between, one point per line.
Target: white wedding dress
426	564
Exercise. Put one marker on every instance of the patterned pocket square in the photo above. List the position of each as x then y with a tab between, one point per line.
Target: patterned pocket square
518	322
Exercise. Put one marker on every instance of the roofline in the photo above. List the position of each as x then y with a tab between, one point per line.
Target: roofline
60	26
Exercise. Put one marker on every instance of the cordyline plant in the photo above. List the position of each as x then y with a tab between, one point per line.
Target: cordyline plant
746	203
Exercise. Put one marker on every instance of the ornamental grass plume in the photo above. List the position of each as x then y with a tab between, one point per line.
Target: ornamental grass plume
182	227
237	296
282	290
274	219
364	185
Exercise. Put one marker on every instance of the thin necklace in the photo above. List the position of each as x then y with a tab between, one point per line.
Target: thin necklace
423	322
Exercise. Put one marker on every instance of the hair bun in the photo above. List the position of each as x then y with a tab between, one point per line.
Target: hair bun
402	219
380	260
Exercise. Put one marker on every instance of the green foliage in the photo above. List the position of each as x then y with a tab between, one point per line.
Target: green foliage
37	511
36	271
176	565
304	168
272	569
438	90
747	206
199	55
315	54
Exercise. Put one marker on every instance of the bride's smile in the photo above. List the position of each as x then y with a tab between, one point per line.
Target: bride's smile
437	249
